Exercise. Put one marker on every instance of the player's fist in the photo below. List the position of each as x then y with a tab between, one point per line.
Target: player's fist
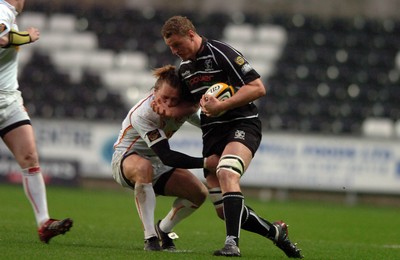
34	33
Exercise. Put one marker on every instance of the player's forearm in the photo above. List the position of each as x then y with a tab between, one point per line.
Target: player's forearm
174	158
180	160
16	38
184	109
246	94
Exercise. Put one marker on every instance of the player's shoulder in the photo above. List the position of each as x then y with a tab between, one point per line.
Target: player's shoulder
217	43
5	10
221	47
143	107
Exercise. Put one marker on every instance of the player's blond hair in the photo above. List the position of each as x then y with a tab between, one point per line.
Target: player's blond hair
177	25
167	74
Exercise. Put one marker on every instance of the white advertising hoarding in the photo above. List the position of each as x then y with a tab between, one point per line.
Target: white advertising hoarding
316	162
283	160
87	142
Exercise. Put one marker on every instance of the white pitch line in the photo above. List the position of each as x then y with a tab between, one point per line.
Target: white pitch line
392	246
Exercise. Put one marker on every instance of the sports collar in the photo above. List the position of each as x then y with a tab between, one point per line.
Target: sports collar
203	44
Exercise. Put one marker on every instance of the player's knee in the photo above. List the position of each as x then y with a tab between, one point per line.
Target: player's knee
231	163
201	196
28	159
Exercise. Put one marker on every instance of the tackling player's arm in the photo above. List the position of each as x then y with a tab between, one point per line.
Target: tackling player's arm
186	107
177	159
183	109
17	38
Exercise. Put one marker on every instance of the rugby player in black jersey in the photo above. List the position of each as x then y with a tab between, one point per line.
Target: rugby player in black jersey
235	135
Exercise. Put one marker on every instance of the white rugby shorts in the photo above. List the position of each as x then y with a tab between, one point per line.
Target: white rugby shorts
158	168
12	108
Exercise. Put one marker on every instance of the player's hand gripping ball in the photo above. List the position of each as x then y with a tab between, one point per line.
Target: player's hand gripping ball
221	91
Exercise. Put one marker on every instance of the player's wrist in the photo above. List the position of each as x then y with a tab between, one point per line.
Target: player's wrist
17	38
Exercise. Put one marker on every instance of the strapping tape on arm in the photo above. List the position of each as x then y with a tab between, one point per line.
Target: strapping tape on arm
18	38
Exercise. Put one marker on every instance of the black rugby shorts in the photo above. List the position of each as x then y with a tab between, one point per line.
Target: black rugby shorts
246	131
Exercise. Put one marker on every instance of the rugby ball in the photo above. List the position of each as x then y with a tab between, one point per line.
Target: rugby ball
221	91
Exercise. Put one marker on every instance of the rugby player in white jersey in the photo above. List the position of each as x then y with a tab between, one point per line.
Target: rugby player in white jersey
15	125
143	161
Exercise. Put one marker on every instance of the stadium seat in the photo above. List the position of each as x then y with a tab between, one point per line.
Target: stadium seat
397	129
130	60
32	19
239	33
62	22
378	127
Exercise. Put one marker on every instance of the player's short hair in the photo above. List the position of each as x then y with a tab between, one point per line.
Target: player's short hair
177	25
167	74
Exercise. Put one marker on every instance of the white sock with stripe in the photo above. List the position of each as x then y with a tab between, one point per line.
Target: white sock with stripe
35	191
145	200
181	209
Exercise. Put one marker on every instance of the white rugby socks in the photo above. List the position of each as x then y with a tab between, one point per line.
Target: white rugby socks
35	191
181	208
145	200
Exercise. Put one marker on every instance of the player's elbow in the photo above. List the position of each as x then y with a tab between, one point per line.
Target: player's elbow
165	159
262	91
259	89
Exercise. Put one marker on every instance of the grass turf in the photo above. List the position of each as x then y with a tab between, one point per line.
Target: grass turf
106	226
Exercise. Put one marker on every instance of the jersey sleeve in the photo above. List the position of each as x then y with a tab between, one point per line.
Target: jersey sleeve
5	21
145	123
239	70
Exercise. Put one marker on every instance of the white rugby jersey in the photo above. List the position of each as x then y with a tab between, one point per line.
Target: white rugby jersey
142	128
8	56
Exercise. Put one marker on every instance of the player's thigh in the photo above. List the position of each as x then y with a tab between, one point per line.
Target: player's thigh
239	149
21	142
137	169
184	184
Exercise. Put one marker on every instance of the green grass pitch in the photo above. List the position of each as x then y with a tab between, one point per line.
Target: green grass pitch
106	226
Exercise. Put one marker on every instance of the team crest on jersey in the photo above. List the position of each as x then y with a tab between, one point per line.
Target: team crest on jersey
208	65
153	135
239	60
186	73
239	134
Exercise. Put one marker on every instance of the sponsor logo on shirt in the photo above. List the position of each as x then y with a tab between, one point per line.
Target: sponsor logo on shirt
200	78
